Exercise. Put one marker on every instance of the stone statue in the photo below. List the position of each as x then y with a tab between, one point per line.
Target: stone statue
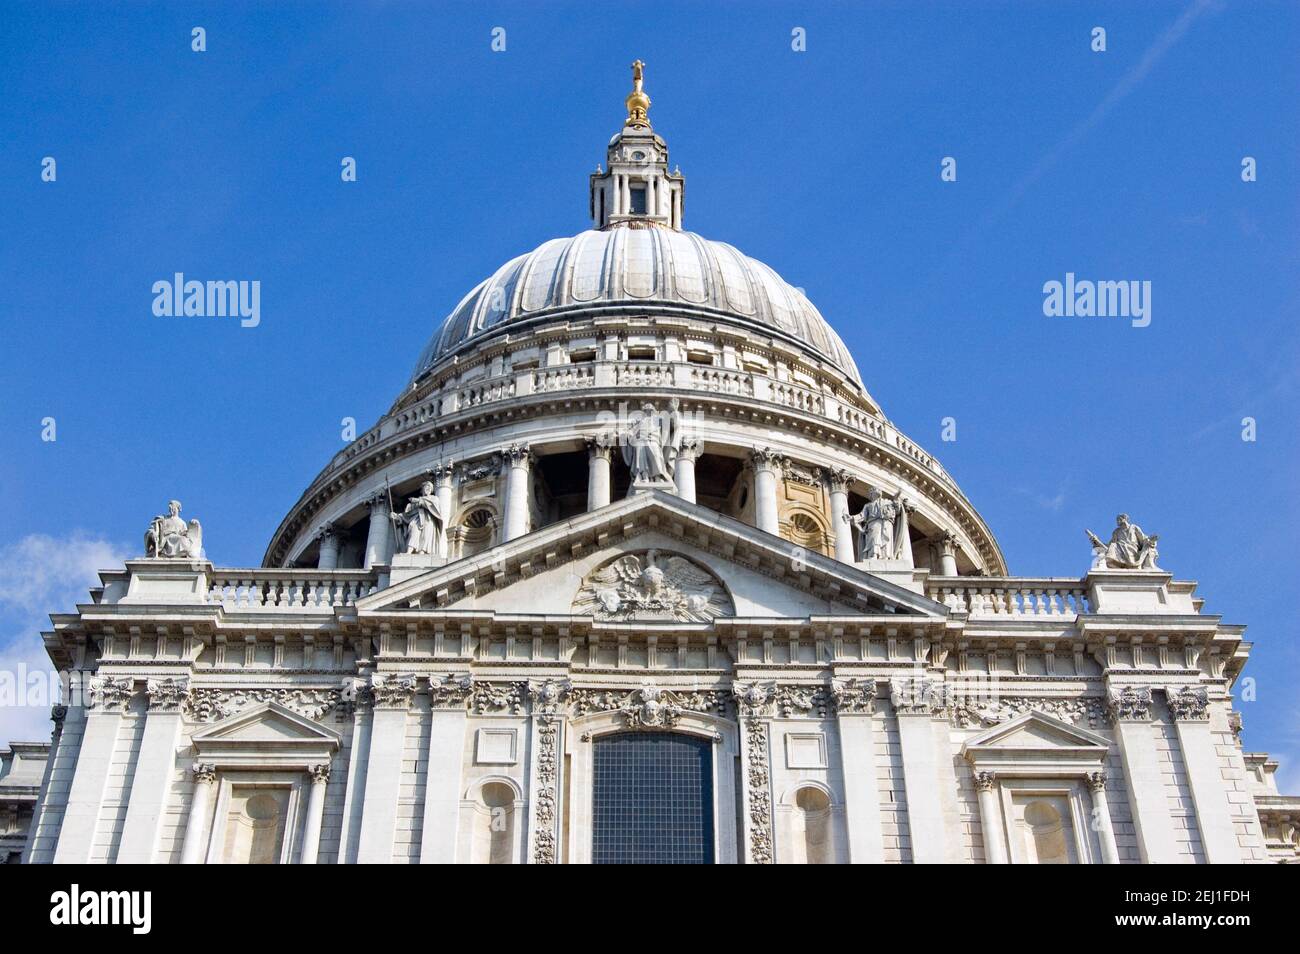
1129	548
652	586
171	538
647	449
882	528
422	523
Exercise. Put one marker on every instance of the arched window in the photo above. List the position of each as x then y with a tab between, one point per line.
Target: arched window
811	827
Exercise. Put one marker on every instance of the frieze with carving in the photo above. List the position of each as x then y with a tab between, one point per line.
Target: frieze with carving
489	697
649	706
208	705
976	711
653	585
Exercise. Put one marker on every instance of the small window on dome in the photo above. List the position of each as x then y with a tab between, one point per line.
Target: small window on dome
638	200
582	355
641	353
699	357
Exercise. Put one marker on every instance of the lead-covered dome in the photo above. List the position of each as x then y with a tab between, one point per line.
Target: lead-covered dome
659	269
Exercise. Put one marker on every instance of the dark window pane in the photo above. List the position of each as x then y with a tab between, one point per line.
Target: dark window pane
638	201
652	799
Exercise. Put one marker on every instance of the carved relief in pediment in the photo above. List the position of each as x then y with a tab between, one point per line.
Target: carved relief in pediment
653	585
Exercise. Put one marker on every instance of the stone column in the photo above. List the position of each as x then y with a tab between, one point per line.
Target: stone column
838	483
684	469
320	776
108	699
518	459
392	696
1130	709
995	844
448	696
1190	711
916	701
1101	819
442	483
378	539
598	482
948	554
767	468
329	547
855	705
205	780
153	771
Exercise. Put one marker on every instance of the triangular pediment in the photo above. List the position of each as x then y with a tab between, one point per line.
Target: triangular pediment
1035	731
267	724
736	571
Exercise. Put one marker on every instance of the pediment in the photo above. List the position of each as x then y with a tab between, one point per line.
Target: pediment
269	725
715	567
1035	732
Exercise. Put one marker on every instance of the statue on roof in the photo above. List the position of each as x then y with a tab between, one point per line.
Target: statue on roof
1129	548
172	538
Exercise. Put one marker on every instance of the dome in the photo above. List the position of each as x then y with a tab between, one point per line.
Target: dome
656	269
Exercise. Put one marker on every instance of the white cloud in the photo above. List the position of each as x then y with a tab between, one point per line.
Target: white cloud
39	575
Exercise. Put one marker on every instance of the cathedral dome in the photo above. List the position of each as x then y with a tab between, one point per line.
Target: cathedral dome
656	269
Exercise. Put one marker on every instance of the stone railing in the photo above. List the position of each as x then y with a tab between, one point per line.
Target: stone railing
453	397
292	590
1010	596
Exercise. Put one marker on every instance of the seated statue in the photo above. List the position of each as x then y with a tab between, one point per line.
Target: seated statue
170	537
1129	548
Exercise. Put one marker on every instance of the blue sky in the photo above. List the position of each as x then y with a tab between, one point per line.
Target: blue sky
825	164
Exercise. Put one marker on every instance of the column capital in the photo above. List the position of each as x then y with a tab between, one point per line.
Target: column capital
948	543
392	691
517	455
320	773
110	693
853	696
168	694
691	449
1130	704
599	449
918	695
326	531
450	691
1097	781
204	773
378	503
441	474
764	459
837	479
1188	703
984	781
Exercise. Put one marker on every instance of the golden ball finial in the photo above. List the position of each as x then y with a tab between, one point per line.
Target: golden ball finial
637	102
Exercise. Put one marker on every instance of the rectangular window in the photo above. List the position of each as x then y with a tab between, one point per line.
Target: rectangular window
641	353
638	200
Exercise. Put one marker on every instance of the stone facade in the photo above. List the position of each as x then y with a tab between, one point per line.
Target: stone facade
642	492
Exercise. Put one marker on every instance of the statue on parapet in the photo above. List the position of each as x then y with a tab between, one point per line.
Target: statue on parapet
650	444
171	538
422	525
882	528
1129	548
